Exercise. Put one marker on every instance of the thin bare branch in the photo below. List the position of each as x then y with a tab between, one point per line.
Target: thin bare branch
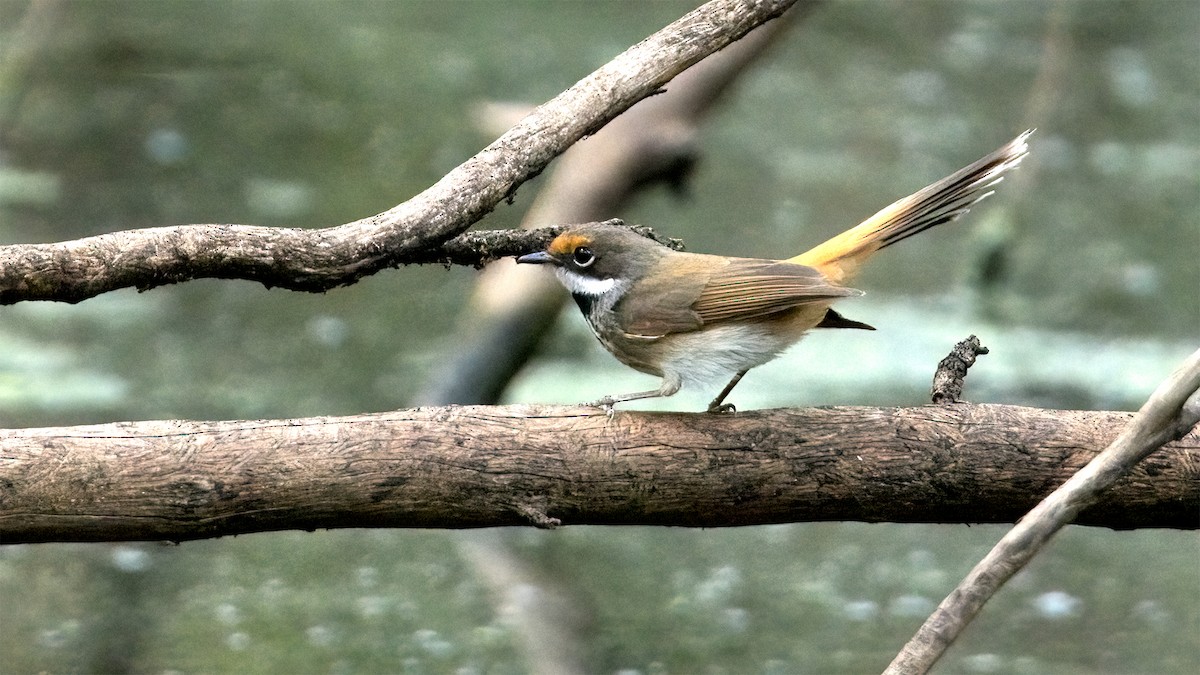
317	260
952	370
1164	417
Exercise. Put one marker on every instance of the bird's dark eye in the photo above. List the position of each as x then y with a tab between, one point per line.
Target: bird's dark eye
583	256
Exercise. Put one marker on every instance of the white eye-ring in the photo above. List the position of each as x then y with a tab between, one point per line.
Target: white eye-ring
583	256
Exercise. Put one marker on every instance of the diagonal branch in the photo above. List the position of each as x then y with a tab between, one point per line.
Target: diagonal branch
1165	417
480	247
317	260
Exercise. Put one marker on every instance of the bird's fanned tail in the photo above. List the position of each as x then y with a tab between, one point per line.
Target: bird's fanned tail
941	202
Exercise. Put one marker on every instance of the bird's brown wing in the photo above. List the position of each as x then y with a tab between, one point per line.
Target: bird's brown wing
749	288
710	289
660	304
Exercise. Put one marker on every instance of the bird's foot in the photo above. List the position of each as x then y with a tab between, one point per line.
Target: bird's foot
607	403
721	408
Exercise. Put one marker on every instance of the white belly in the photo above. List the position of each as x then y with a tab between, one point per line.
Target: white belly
716	355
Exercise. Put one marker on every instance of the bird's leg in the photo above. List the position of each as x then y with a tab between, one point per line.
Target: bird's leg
669	386
717	406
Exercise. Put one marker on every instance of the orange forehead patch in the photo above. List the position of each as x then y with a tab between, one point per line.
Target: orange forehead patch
567	242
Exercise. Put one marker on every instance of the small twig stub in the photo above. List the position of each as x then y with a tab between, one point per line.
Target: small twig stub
952	370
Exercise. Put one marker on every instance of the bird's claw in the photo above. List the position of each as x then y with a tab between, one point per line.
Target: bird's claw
721	408
607	403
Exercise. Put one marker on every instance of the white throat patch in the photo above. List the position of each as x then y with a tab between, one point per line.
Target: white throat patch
581	285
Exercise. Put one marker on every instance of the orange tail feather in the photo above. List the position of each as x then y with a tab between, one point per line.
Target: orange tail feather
840	257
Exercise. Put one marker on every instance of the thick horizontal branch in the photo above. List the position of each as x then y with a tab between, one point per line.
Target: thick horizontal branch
320	259
481	466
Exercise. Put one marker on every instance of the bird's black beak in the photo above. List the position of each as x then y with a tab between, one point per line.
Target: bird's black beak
539	258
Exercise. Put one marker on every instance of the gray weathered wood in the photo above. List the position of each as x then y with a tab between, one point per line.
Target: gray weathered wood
457	467
320	259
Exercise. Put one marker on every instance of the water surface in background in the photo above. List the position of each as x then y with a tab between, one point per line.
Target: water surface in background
116	115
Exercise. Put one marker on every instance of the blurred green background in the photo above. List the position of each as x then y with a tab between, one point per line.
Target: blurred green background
1081	274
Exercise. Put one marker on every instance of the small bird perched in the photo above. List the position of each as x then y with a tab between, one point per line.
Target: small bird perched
692	319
